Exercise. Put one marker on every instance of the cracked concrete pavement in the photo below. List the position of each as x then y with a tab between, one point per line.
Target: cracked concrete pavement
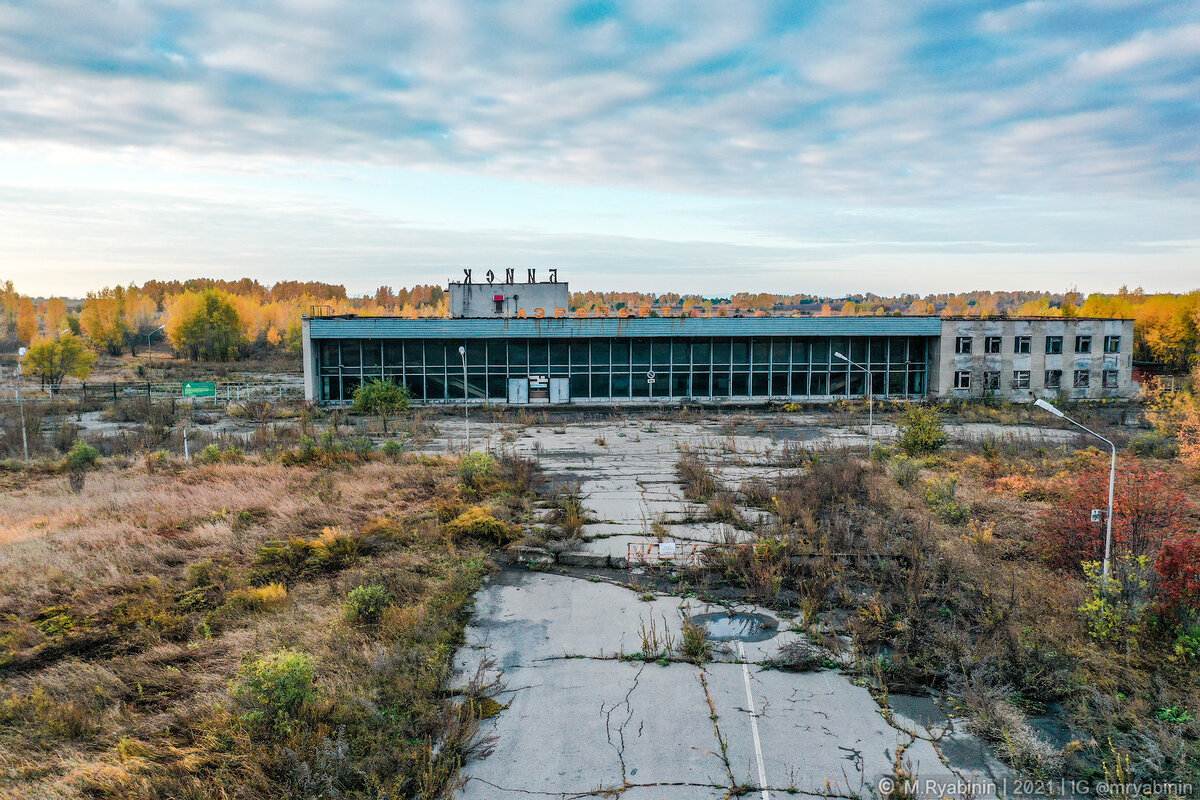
582	719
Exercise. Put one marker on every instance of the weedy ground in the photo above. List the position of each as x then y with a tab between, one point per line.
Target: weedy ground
244	630
929	572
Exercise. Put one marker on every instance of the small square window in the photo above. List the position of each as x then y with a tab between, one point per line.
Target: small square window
1110	379
1053	345
1021	379
962	379
991	380
1083	344
1112	344
991	344
962	345
1083	379
1054	379
1021	344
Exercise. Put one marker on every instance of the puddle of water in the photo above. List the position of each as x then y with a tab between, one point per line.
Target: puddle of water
723	626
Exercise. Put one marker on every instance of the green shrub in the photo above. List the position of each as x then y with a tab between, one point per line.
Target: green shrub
1116	604
921	431
1153	444
210	454
366	604
275	688
1174	714
82	456
906	471
475	468
384	398
943	501
392	449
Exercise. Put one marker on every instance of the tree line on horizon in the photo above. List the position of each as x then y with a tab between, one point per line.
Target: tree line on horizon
219	320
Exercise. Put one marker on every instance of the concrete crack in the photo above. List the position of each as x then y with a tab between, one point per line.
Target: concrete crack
619	745
722	743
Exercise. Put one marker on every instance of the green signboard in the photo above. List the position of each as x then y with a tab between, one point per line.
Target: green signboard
201	389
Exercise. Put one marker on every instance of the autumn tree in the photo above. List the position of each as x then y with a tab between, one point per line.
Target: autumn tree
54	316
1147	509
103	320
51	360
1178	568
205	325
27	320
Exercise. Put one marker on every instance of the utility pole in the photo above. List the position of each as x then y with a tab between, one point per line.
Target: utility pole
21	403
870	405
462	351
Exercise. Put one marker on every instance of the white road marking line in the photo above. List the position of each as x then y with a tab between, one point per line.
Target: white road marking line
762	771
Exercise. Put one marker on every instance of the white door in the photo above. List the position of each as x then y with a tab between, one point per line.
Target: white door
518	391
559	391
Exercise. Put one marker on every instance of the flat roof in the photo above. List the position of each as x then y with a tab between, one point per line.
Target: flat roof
616	327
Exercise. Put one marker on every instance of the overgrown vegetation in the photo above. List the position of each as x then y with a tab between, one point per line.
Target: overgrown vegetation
976	572
248	629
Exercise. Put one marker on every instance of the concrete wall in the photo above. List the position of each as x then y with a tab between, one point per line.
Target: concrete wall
1006	363
309	361
477	299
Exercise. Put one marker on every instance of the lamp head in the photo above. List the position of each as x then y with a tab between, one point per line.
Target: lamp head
462	351
1042	404
21	352
839	355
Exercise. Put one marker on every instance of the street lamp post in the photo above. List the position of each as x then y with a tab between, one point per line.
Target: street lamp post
149	352
870	404
21	403
462	351
1112	479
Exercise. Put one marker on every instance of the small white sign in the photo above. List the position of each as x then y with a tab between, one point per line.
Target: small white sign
666	549
1097	515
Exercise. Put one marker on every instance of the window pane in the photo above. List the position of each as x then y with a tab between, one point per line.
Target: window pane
518	352
600	356
351	352
620	352
539	355
640	351
721	352
741	352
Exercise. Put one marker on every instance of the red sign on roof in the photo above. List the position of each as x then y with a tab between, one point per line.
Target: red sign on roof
499	298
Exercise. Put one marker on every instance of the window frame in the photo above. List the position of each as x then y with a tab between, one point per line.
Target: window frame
991	380
992	345
962	379
1115	381
1054	345
963	345
1021	378
1081	379
1022	345
1083	344
1112	344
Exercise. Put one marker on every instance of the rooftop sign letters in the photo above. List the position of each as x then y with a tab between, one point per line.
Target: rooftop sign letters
510	276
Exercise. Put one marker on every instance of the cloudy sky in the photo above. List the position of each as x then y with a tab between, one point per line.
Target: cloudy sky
804	146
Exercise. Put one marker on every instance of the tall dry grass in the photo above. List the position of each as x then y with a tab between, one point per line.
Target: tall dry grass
128	613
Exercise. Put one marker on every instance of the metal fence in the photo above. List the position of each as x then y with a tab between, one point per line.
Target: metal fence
228	392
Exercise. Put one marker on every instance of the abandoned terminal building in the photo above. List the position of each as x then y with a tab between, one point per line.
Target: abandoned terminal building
521	343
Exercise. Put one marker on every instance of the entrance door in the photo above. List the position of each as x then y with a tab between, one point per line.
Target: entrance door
559	391
518	391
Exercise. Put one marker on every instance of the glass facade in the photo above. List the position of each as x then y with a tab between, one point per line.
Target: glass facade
708	367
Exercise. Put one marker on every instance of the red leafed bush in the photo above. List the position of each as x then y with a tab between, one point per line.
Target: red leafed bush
1178	568
1148	509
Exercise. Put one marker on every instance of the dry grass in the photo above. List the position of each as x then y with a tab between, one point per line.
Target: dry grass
129	609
